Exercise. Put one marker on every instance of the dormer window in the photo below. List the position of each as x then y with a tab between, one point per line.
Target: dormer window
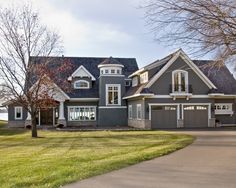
135	81
144	77
180	81
81	84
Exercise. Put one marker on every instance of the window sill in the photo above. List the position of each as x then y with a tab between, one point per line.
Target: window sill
224	113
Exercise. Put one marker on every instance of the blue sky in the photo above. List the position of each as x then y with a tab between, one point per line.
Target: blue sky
100	28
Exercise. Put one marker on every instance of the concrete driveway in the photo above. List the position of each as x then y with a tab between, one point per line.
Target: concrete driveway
209	162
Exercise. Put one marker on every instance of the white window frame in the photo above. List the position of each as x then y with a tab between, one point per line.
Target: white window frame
77	81
144	77
130	112
139	107
179	78
21	112
127	81
119	94
73	107
135	81
223	111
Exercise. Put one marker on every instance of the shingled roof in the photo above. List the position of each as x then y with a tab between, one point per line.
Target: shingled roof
110	61
219	75
91	64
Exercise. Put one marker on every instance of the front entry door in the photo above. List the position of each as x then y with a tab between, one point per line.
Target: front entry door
46	116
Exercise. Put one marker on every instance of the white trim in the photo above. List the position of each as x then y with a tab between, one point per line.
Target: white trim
137	107
110	65
102	107
114	75
21	112
95	116
138	95
178	71
130	111
119	94
77	81
77	70
180	53
84	99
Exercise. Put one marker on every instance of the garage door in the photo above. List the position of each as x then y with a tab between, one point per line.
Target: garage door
164	117
195	116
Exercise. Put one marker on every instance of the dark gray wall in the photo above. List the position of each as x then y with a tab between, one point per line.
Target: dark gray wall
162	85
134	108
11	113
103	80
112	117
227	118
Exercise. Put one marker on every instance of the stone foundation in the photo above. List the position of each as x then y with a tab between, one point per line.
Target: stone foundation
212	122
140	124
62	122
16	124
180	123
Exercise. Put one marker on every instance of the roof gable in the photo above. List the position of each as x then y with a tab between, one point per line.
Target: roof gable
82	72
187	60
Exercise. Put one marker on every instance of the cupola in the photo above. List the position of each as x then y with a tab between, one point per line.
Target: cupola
110	66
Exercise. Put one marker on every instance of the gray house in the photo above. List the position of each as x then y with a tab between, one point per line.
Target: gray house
173	92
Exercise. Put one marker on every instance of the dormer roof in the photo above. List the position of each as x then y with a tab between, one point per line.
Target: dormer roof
82	72
110	62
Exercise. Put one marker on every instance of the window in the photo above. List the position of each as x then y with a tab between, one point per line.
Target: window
81	84
130	112
127	83
106	71
101	71
180	81
135	81
201	107
18	112
113	71
118	71
139	111
113	96
82	113
144	77
224	108
189	108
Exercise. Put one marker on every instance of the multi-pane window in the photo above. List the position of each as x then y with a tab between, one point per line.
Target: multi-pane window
81	84
82	113
130	112
135	81
144	77
18	112
113	94
180	81
139	112
113	71
223	108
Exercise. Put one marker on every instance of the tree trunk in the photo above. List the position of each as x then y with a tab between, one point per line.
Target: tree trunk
34	127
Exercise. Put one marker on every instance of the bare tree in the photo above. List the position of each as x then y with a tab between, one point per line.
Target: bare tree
24	81
202	26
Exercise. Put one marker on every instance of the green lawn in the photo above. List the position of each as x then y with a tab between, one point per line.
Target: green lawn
58	158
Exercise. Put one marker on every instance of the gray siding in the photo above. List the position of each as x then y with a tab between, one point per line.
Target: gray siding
162	85
103	80
112	117
227	118
11	113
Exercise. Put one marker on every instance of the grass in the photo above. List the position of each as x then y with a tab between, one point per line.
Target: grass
59	158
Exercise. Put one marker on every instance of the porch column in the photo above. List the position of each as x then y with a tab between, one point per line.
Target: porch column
53	116
61	119
39	118
61	110
28	120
